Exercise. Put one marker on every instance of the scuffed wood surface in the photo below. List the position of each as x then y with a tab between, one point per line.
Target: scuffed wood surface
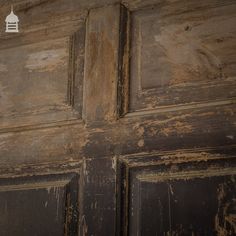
180	58
58	5
34	77
165	131
175	189
184	111
99	204
41	70
56	196
101	63
41	15
174	6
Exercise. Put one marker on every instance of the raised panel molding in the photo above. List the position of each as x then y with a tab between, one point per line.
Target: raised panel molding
181	53
41	73
155	192
105	87
49	190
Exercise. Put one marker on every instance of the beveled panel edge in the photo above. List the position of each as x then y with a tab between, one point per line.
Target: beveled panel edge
72	112
181	107
185	175
218	160
133	7
41	169
46	125
69	179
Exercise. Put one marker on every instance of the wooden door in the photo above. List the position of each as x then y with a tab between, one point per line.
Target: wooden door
118	118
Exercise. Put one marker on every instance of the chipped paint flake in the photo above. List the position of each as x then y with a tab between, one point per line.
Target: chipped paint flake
230	137
114	162
141	143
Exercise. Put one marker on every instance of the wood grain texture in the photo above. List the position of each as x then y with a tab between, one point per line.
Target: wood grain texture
176	6
171	130
175	189
180	126
101	63
181	58
123	64
41	71
43	16
99	194
27	197
25	71
58	5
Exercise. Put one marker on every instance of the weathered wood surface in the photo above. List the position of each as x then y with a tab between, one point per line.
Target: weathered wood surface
42	70
180	58
190	181
151	84
23	77
99	197
165	131
176	6
186	192
101	62
52	194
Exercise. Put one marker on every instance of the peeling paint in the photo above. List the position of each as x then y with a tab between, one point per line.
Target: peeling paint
114	163
56	192
177	127
139	129
141	143
84	226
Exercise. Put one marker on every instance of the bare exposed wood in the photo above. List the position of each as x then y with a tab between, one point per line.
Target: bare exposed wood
118	118
162	131
182	58
123	66
101	63
141	182
56	57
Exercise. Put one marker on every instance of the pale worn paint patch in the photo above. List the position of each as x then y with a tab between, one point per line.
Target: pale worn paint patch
139	130
180	49
47	60
225	219
141	143
190	58
178	127
114	163
3	68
